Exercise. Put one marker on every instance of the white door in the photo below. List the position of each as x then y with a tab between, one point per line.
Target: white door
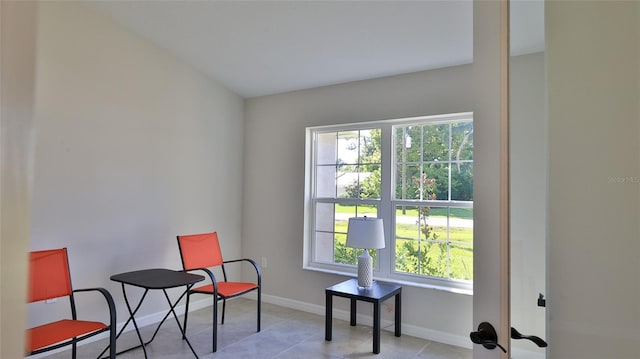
491	200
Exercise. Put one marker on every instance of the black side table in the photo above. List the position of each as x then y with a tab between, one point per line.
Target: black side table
155	279
375	294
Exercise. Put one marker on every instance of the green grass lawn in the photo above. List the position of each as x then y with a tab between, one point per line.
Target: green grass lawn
456	234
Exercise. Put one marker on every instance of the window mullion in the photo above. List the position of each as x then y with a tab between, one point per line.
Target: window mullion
421	185
450	148
386	192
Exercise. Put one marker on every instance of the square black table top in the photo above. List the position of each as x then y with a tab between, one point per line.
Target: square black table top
157	278
377	291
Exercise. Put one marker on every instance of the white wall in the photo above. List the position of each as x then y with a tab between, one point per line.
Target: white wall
17	72
593	65
133	148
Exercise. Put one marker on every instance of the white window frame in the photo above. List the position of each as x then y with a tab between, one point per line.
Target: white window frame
385	269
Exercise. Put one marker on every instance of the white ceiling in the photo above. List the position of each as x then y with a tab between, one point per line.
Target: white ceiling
257	48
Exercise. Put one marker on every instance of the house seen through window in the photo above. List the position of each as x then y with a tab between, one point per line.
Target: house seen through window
416	174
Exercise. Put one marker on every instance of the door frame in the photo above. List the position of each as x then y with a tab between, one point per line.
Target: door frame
491	300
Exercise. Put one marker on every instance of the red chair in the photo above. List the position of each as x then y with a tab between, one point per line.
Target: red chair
201	252
49	278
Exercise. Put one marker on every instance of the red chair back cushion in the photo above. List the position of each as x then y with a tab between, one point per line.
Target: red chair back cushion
48	275
200	250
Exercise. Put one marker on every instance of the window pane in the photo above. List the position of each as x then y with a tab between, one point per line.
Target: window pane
461	226
407	181
327	148
435	259
348	145
407	256
462	262
367	211
435	145
408	139
401	142
369	178
359	164
344	254
348	183
407	223
324	247
325	217
434	222
343	213
462	181
462	141
408	233
326	182
370	146
435	182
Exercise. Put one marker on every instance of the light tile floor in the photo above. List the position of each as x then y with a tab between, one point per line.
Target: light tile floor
286	334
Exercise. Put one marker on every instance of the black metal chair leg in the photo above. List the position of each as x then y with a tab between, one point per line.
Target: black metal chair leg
224	305
112	342
259	300
215	324
186	313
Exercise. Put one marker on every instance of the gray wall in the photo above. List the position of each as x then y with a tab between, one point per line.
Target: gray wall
274	185
274	159
133	148
593	69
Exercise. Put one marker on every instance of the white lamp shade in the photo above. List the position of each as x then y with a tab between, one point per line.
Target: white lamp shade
366	233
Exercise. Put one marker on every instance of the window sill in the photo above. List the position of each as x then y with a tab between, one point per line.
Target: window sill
442	288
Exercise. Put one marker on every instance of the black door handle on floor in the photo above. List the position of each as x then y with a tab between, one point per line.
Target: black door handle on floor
486	336
537	340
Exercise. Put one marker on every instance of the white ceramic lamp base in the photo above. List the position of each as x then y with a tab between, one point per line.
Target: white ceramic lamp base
365	269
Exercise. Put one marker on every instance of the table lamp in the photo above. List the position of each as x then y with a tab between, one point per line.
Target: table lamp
365	233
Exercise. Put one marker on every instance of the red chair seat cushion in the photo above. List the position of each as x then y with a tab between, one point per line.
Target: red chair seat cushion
52	333
227	289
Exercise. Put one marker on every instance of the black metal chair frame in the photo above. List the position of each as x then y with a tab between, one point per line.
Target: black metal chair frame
73	341
217	296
